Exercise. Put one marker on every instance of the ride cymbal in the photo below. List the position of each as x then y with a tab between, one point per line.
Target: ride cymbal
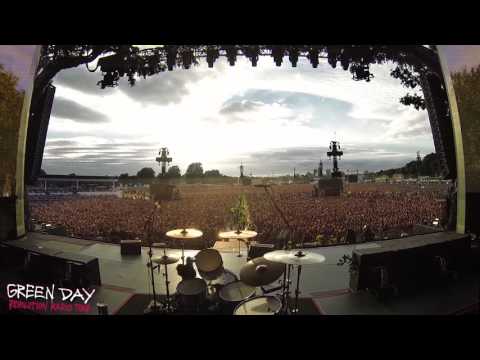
294	257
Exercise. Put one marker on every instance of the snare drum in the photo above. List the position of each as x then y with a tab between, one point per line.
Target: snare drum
260	305
234	293
191	294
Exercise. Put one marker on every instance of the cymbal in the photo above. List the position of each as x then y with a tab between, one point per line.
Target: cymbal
184	233
165	259
294	257
260	272
244	234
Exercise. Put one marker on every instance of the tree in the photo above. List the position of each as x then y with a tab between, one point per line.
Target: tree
173	172
212	173
146	173
241	214
123	176
10	109
194	170
467	90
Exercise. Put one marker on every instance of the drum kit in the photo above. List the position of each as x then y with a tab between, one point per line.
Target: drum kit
222	288
182	235
243	235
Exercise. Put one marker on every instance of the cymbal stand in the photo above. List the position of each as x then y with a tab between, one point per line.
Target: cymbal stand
285	299
299	254
153	307
168	306
184	232
297	290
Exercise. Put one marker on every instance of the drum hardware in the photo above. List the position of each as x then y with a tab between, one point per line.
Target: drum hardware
291	258
165	260
240	235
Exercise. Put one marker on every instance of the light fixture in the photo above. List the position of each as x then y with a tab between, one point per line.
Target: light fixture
252	53
187	58
293	56
313	54
212	55
277	53
231	52
171	56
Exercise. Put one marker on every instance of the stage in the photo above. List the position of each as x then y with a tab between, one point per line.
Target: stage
326	284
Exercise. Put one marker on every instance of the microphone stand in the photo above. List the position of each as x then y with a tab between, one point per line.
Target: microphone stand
148	228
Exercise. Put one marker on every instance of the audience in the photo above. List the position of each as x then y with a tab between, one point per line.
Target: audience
384	208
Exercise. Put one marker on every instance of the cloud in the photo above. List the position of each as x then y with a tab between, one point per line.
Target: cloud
240	107
60	143
71	110
160	89
164	88
82	80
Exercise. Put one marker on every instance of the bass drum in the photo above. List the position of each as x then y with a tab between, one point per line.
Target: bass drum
234	293
191	294
259	305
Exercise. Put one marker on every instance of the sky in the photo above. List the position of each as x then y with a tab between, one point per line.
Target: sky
271	119
17	59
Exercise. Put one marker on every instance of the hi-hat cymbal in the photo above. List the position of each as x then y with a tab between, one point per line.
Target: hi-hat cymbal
294	257
165	259
184	233
244	234
260	272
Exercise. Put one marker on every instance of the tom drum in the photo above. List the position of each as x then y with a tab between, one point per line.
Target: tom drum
260	305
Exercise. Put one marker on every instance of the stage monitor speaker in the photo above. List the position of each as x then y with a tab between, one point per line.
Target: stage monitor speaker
37	134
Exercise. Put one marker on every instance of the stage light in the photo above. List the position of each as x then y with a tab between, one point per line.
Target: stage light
131	79
313	57
293	56
171	57
344	61
361	72
231	52
332	55
110	79
252	52
212	55
187	58
277	54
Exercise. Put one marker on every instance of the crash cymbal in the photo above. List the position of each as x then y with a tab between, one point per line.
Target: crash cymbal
294	257
260	272
245	234
184	233
165	259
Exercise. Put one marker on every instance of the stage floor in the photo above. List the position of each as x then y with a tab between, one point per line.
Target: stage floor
131	271
325	283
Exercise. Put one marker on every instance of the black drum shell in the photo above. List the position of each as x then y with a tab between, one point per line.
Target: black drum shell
191	294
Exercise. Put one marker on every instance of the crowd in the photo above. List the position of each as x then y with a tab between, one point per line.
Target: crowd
385	209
